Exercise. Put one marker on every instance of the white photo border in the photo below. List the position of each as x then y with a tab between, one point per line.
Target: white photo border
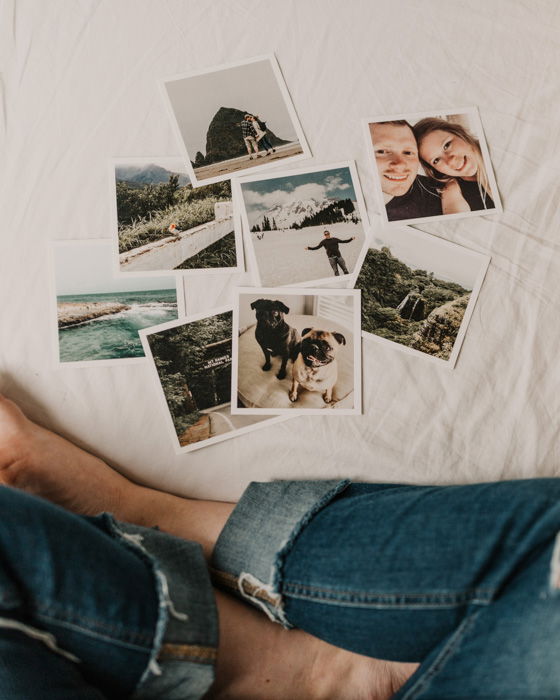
53	310
474	114
483	268
357	359
347	281
171	162
306	152
144	333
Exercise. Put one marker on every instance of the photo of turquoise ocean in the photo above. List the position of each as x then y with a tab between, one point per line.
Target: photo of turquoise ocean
99	316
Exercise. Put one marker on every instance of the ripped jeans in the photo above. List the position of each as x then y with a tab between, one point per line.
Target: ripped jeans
86	613
465	579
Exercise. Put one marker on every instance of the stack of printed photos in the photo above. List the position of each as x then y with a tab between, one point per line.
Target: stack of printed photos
323	278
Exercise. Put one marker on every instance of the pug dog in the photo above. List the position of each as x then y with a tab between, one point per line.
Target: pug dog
273	334
315	367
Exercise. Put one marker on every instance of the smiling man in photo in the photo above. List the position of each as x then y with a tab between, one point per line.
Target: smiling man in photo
407	195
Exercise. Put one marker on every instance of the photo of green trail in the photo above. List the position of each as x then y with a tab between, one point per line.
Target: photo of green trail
410	306
193	362
155	204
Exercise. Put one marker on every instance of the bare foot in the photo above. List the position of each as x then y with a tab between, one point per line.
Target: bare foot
257	659
44	464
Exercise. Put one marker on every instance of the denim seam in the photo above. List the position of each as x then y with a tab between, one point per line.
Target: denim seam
67	615
476	595
442	658
152	668
90	633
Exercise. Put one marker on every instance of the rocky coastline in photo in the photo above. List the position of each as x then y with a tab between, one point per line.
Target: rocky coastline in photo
74	313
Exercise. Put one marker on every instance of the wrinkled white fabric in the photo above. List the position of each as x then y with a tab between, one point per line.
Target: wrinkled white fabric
80	86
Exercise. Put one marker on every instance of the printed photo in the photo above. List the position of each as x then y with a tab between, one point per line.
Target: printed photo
162	223
192	360
233	118
419	292
431	165
97	315
296	351
304	227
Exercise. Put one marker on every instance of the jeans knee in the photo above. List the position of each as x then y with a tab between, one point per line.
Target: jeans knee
31	529
19	510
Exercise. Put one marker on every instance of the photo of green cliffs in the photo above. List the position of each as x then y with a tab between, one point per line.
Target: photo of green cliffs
410	307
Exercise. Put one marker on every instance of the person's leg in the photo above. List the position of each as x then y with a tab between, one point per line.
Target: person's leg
252	650
248	145
391	571
29	669
509	649
44	464
77	608
266	143
255	145
342	264
334	265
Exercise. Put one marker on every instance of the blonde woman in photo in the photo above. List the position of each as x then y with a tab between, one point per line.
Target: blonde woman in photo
452	156
260	132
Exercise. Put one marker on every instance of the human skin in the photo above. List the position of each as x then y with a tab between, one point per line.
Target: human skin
257	658
396	155
449	154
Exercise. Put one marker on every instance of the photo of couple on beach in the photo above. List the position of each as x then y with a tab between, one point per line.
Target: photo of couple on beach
253	131
432	165
233	118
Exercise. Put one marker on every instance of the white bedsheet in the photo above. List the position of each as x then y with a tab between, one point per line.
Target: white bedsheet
79	81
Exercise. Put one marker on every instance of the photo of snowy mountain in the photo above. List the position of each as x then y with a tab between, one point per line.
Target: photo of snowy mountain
304	227
286	216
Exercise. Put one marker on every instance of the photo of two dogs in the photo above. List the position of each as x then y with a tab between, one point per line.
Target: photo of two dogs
312	354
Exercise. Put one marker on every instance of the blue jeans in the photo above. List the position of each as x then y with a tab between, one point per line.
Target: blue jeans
81	610
465	579
265	143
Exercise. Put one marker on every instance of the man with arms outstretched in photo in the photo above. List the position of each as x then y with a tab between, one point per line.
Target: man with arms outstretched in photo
406	194
333	251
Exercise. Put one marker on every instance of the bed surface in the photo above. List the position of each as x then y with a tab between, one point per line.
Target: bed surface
80	86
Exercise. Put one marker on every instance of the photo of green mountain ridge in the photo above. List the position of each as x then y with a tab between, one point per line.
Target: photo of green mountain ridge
157	206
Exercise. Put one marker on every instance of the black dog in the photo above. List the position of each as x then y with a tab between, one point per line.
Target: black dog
273	334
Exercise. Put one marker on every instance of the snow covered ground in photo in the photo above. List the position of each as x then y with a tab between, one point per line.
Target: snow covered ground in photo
282	258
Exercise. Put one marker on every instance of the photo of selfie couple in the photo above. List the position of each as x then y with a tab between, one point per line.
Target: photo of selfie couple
432	165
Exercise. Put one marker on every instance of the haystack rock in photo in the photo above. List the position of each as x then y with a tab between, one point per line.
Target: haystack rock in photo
224	140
